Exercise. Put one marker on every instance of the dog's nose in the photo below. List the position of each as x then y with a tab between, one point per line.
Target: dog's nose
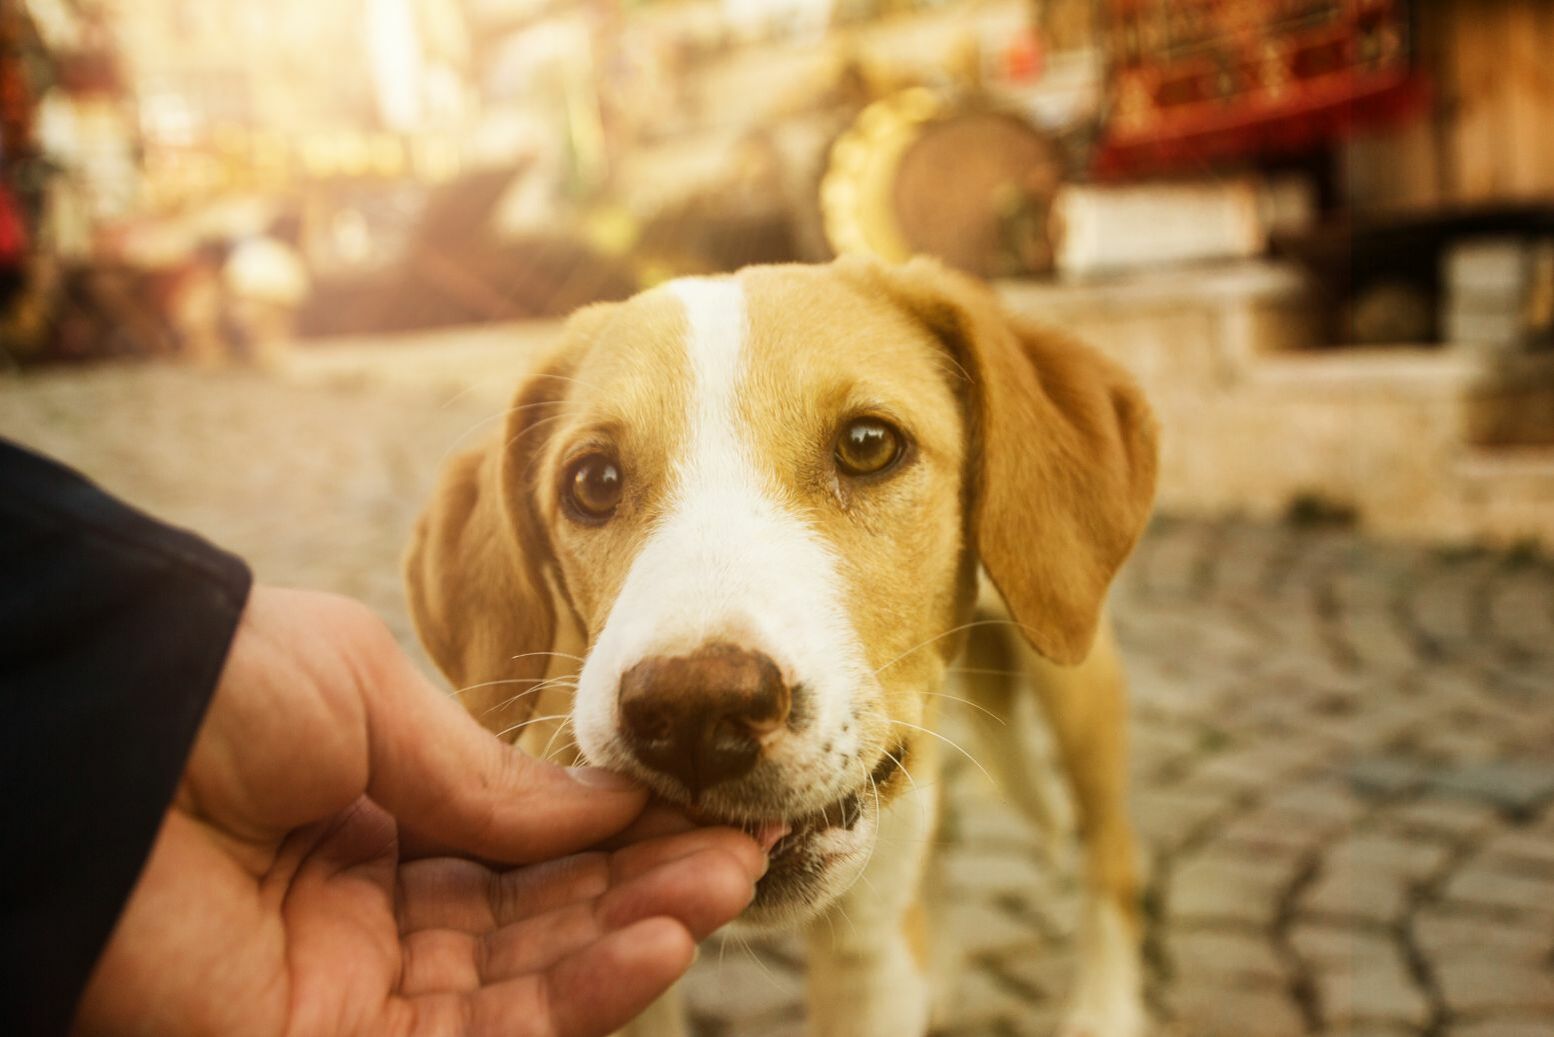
702	717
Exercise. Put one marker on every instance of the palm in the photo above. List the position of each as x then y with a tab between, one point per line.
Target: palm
338	936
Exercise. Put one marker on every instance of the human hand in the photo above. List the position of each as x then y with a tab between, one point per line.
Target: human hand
286	894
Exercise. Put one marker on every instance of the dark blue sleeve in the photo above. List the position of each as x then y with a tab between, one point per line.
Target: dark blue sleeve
113	631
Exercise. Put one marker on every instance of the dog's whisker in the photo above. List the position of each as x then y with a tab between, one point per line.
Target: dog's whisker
508	701
455	693
558	655
940	636
554	682
531	721
488	419
530	427
553	376
770	975
951	743
974	705
900	766
565	725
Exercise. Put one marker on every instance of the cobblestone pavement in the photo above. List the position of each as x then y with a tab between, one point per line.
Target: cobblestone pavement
1344	749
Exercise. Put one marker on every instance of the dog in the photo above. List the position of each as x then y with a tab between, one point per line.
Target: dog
728	541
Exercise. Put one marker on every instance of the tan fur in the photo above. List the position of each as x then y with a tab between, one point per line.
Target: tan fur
1066	447
1033	454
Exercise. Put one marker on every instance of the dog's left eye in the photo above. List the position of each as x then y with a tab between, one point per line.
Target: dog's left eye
593	487
867	446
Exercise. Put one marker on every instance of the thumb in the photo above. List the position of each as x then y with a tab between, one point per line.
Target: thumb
454	786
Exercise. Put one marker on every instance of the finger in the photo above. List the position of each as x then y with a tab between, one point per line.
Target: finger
659	818
451	783
591	993
588	994
607	985
638	858
447	893
440	960
701	892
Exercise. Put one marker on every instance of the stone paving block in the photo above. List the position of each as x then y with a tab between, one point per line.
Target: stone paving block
1244	958
1356	893
1167	690
1521	609
1168	817
1377	641
1270	832
1330	945
1482	986
1045	1021
1449	819
1371	989
1235	784
1045	976
1449	683
1386	774
981	928
1530	850
1515	786
1233	891
993	825
1246	551
1392	856
980	999
1371	727
1484	885
1223	638
1444	603
1178	555
1449	931
1454	748
1520	688
1324	801
1524	1027
1262	764
977	873
1220	1010
1157	749
790	1023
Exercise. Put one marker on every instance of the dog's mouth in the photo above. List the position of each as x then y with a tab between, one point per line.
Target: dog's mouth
801	848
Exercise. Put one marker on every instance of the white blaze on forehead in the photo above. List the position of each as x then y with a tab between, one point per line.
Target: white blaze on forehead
727	562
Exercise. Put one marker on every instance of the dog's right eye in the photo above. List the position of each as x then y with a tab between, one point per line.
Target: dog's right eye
593	487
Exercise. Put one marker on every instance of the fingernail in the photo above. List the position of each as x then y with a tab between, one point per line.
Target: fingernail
599	778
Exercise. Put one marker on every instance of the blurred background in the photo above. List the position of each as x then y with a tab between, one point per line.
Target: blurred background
264	266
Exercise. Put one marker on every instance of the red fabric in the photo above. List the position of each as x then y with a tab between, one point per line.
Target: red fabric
1196	80
13	230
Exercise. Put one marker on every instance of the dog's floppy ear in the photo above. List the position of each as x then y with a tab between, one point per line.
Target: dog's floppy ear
475	573
1063	456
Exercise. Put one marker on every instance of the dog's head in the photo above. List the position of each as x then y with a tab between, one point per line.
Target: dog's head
761	501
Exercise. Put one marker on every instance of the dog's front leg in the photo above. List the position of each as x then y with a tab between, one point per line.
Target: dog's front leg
868	954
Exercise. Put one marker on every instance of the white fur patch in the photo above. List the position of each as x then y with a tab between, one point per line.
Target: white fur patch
1108	1001
727	562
